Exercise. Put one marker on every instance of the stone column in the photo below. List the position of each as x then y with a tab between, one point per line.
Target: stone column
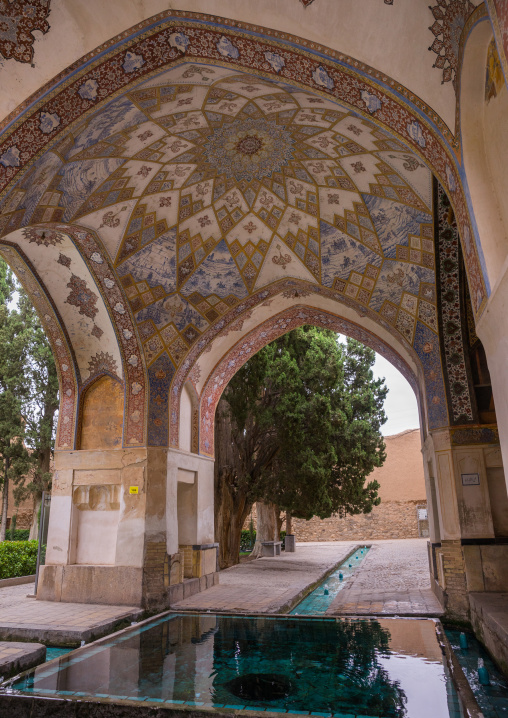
467	555
190	522
114	526
492	329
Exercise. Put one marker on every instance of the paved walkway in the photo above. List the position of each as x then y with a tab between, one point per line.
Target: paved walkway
392	581
269	585
55	623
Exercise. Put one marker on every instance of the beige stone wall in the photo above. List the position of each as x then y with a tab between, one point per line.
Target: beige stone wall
402	489
401	477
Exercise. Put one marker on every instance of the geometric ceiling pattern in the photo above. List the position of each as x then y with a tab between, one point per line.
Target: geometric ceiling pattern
206	185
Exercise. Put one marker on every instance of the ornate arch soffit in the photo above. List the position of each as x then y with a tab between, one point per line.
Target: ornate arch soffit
289	289
267	332
60	343
118	309
190	387
134	431
170	37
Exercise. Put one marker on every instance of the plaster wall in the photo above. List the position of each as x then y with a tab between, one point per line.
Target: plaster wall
102	415
196	525
484	136
492	329
185	421
77	28
116	534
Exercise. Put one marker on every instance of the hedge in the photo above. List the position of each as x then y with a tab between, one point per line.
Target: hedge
19	535
17	558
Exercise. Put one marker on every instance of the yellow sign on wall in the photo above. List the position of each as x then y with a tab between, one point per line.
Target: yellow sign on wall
133	489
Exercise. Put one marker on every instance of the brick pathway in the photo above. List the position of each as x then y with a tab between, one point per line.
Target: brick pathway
269	585
17	657
55	623
393	580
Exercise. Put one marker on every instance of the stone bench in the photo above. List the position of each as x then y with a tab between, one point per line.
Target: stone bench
271	548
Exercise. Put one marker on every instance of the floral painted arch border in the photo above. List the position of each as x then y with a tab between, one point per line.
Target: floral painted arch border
235	318
136	54
268	331
118	308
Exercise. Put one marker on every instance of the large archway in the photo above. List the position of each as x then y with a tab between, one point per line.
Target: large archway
186	188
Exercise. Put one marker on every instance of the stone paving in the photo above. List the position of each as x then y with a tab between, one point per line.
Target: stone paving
55	623
17	657
269	585
392	581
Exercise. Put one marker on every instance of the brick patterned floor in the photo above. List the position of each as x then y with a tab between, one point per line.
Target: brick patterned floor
267	585
393	580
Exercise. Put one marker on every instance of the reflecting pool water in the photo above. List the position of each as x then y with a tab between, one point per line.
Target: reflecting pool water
391	667
319	600
492	698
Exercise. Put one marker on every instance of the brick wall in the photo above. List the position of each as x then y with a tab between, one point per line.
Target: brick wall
391	519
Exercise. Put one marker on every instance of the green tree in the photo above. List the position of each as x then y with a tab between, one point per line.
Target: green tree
298	428
14	458
39	408
28	399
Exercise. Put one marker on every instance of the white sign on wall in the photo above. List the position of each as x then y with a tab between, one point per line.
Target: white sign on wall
422	514
470	479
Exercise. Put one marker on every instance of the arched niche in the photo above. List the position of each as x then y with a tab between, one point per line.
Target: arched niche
101	415
484	140
189	419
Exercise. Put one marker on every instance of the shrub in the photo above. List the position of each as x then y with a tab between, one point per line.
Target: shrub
19	535
17	558
247	541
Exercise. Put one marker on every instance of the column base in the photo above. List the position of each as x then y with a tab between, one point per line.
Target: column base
190	587
114	585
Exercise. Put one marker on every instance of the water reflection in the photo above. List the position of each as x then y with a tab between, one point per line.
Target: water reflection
346	666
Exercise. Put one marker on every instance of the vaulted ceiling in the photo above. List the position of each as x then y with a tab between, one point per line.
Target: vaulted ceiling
206	185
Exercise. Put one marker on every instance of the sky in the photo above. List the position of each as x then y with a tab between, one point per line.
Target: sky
401	408
400	405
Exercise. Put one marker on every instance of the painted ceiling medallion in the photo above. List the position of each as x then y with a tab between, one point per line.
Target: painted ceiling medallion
450	17
17	22
249	148
43	235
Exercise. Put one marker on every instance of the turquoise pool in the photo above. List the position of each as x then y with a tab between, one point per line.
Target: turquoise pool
390	668
319	600
492	699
